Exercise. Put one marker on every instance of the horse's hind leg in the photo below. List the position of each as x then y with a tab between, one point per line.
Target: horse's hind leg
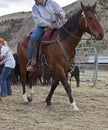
69	92
31	77
23	82
53	87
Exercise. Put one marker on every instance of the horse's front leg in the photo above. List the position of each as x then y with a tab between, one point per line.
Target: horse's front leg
53	87
69	92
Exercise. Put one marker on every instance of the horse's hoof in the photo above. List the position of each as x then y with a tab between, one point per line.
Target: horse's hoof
48	103
25	103
29	99
75	108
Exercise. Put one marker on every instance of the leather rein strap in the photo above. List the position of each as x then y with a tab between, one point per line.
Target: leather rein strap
67	58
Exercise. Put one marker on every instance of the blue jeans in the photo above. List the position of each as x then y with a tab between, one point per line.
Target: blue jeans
34	41
5	81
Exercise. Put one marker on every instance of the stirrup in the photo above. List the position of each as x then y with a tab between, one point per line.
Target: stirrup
29	62
45	65
31	68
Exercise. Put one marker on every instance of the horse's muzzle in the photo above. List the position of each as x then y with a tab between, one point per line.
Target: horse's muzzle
99	37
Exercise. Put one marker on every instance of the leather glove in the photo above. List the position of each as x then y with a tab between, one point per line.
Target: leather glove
59	15
51	26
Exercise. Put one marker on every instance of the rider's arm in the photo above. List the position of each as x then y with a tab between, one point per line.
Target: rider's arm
1	62
39	21
58	10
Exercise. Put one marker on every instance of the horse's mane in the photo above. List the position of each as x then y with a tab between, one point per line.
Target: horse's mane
70	25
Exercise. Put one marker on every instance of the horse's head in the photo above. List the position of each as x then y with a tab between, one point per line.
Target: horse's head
90	22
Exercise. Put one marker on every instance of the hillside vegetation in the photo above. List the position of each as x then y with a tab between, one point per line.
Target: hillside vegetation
14	27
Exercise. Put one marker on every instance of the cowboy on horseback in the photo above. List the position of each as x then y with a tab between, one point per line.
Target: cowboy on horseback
46	14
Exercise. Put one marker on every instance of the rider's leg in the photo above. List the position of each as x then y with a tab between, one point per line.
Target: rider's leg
33	47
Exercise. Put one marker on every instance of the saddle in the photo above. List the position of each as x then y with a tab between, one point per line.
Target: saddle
46	37
48	34
25	42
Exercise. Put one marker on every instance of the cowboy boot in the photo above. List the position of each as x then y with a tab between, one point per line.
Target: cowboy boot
32	64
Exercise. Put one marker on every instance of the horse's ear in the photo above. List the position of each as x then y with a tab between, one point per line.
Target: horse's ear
94	6
83	6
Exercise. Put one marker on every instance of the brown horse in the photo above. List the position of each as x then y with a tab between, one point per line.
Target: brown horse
60	53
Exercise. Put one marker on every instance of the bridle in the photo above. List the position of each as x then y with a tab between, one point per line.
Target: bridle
87	25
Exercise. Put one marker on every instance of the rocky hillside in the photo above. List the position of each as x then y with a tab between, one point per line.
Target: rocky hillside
15	26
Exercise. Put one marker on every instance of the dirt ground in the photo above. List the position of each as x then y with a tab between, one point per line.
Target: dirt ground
93	115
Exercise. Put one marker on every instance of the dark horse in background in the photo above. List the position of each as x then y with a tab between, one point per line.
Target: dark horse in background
60	53
75	72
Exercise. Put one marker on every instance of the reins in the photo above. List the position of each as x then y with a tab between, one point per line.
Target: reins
67	58
73	35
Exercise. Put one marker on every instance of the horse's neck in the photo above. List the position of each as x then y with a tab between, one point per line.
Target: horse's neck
74	38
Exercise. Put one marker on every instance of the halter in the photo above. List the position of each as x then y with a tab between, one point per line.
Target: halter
86	24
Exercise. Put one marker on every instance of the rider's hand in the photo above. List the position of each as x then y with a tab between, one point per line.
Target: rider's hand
1	57
59	15
51	26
